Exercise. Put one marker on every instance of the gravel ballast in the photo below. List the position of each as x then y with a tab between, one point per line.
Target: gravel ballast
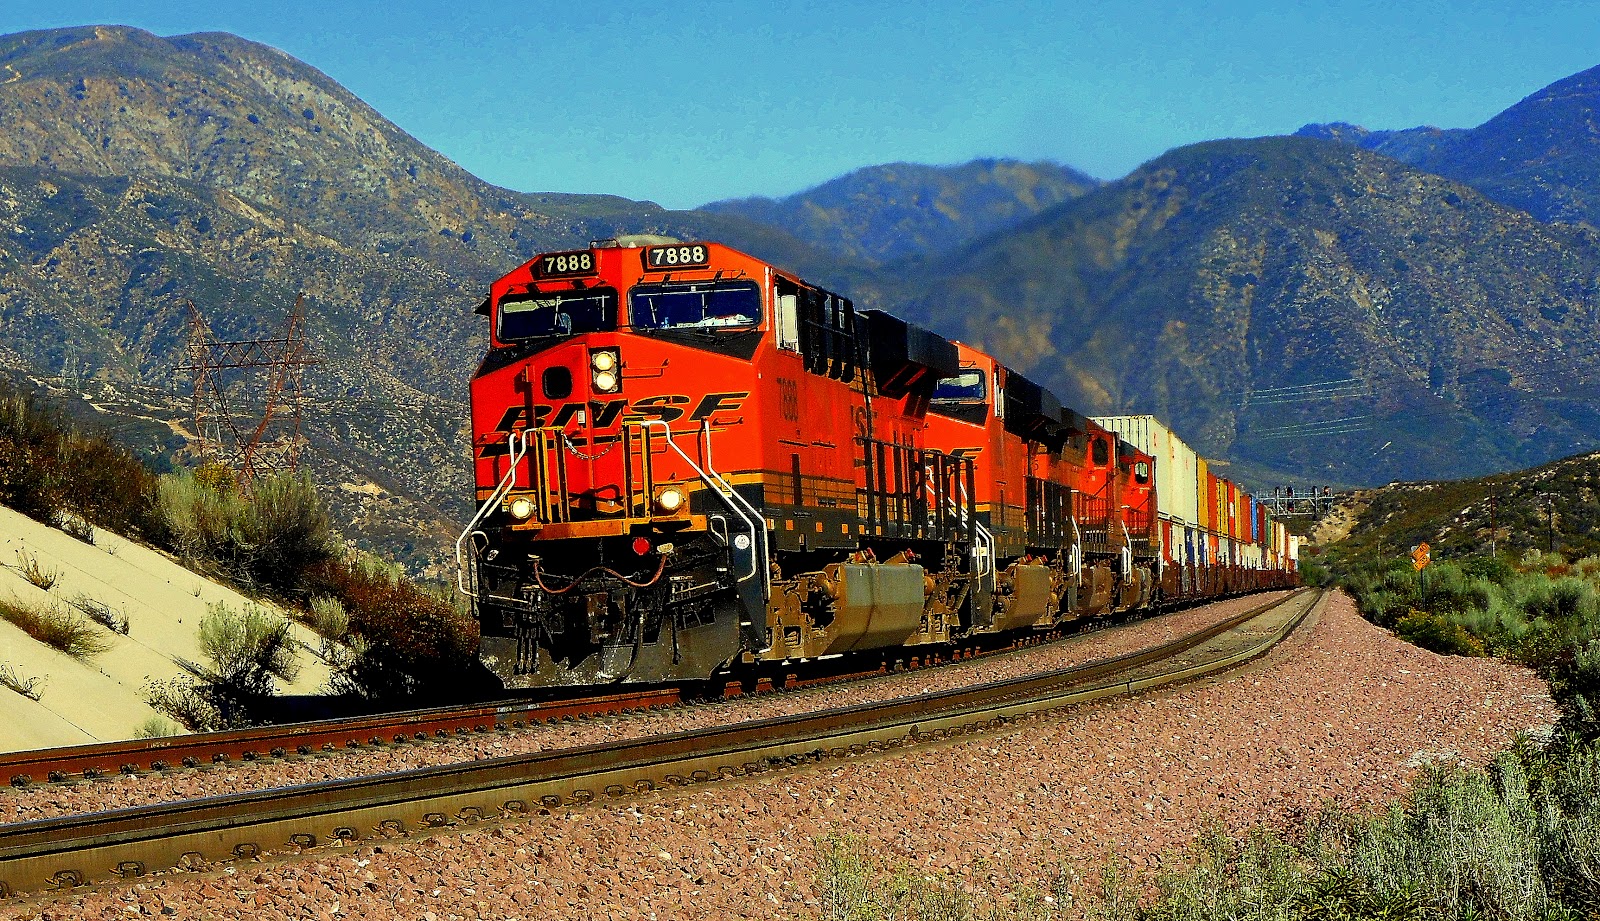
1342	712
46	801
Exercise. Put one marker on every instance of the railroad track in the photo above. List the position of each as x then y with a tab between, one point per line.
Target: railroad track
262	743
138	756
67	852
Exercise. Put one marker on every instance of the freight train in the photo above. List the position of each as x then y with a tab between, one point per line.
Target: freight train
692	464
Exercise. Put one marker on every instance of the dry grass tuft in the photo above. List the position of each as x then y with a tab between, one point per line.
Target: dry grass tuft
102	614
27	687
55	627
29	566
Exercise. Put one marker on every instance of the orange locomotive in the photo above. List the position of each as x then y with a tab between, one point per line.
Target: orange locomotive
690	462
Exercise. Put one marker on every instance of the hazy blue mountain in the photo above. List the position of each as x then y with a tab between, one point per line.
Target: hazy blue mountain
1542	155
884	213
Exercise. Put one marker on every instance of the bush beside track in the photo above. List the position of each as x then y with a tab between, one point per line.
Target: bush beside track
392	638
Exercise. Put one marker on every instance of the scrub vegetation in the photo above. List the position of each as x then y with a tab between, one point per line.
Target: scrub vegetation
1518	840
247	652
386	636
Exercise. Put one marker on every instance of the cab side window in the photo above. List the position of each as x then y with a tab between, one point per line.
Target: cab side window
786	298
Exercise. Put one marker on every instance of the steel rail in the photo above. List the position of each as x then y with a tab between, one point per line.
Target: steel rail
63	853
138	755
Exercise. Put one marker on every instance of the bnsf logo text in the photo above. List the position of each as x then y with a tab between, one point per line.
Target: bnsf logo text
606	413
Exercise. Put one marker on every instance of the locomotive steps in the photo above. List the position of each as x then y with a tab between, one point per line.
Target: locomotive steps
67	852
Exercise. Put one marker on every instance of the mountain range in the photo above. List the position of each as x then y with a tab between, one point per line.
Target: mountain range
1347	306
1541	156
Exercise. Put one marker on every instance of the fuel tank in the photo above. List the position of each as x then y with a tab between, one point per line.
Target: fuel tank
876	605
1024	596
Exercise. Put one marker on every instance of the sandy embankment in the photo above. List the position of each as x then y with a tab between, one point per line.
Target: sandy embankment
99	698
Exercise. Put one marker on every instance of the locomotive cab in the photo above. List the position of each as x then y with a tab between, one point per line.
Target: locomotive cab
608	544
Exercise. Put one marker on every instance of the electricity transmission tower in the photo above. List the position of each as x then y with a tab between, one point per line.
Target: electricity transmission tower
247	394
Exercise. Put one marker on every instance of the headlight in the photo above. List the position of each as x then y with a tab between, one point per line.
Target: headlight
669	500
521	508
605	360
605	381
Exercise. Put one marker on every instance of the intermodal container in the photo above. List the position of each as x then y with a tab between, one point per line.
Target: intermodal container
1177	497
1219	511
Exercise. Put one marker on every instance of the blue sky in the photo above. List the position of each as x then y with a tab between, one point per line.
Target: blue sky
684	103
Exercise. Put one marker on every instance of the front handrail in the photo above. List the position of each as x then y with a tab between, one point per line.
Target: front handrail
731	497
506	484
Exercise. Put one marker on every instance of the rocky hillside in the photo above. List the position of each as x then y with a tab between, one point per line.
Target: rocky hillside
902	210
1294	305
1542	155
1556	504
1302	305
138	173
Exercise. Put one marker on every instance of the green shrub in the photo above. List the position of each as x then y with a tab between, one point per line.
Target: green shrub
1493	568
247	652
1314	573
1577	683
1382	607
1437	633
328	617
155	728
1562	599
267	539
247	649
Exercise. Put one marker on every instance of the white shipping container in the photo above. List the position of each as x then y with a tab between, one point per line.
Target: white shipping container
1177	490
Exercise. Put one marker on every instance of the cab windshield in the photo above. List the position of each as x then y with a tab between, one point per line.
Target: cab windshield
968	385
562	313
695	305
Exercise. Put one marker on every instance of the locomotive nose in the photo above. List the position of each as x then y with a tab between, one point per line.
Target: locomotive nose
582	372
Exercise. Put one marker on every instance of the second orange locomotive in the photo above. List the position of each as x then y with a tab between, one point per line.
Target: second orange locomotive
689	462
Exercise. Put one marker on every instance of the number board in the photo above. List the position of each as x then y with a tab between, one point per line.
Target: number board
565	265
676	256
